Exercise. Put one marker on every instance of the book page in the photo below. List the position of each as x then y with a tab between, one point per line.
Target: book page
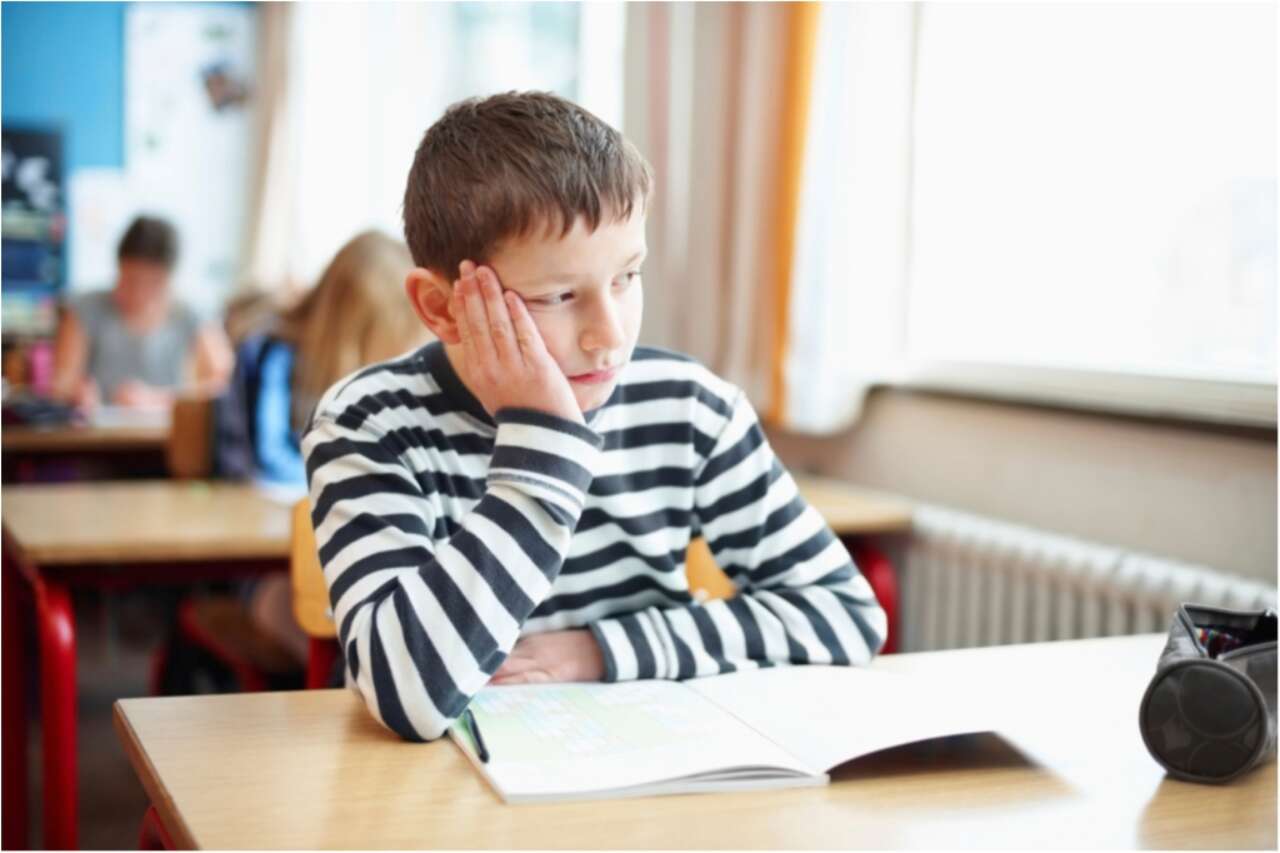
565	739
827	715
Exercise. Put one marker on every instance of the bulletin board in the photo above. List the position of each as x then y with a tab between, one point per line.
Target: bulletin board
34	225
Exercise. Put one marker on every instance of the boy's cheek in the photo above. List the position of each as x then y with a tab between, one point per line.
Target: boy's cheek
553	338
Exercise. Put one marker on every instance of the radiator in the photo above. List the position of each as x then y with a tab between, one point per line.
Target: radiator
972	581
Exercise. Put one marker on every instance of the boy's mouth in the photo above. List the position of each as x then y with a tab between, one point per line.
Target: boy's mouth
595	377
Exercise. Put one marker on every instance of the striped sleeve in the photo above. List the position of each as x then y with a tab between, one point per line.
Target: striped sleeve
423	620
801	598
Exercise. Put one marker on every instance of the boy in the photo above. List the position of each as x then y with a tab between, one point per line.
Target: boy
513	502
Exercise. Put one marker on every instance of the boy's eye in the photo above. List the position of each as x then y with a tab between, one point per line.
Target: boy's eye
553	298
627	279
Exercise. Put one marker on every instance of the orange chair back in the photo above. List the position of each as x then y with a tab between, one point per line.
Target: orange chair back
310	594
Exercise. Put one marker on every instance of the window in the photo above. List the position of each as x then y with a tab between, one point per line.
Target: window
1095	187
358	121
1066	203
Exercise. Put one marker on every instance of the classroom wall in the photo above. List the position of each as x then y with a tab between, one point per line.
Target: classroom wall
1200	494
63	64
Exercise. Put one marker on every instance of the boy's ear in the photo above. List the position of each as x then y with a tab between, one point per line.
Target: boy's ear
429	293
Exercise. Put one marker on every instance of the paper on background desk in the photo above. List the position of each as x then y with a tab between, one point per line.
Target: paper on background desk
157	417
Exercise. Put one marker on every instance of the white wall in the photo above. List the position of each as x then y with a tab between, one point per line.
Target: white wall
1203	495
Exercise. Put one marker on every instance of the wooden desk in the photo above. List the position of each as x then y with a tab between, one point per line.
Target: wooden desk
116	444
313	770
852	511
105	534
110	429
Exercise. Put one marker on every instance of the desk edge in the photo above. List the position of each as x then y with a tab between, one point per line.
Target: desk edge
146	772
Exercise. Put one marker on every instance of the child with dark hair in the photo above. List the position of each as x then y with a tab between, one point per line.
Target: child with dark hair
135	345
513	503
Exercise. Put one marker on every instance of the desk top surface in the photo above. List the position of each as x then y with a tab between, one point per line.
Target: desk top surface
851	510
145	521
158	520
313	770
111	428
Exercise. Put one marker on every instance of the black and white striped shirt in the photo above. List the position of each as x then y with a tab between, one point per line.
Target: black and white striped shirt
444	535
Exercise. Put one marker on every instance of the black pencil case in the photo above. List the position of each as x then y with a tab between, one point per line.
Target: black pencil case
1209	714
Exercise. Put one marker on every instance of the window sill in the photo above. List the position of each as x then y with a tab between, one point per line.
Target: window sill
1211	401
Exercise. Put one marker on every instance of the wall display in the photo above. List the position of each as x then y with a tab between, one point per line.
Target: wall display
34	224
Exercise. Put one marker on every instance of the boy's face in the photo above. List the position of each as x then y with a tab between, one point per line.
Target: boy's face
141	285
584	294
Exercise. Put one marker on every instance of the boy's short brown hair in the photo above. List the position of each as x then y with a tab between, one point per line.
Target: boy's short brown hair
149	238
499	167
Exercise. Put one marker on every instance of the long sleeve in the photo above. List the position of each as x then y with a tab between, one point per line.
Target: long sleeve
801	599
428	607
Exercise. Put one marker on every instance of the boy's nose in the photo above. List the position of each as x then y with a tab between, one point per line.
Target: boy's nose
604	329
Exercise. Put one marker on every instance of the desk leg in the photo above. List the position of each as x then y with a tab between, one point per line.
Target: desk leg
58	712
153	836
15	780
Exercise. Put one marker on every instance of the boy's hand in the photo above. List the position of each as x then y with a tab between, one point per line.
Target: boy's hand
139	395
554	656
506	363
87	397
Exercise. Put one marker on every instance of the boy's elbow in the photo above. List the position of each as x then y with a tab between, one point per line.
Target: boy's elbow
420	728
414	721
876	629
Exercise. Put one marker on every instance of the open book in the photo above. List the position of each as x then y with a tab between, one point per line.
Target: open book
779	727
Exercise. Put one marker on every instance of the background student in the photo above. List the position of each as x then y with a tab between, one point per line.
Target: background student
135	345
354	316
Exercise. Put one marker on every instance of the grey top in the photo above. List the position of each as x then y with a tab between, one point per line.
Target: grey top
117	354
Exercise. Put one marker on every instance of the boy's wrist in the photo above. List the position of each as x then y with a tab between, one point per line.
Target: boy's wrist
548	419
606	653
545	457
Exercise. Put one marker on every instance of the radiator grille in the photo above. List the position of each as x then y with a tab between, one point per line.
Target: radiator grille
972	581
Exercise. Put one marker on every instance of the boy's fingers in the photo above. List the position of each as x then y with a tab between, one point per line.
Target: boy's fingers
458	307
527	335
478	319
500	328
533	676
516	664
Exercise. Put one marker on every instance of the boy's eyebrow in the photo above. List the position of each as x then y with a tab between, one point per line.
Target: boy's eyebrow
552	278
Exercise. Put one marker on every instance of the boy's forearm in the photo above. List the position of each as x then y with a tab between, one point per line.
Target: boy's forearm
802	600
836	621
426	626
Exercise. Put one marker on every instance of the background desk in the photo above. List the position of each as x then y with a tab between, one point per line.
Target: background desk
313	770
852	511
114	442
106	534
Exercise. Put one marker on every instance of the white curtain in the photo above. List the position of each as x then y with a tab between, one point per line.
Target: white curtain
705	89
849	286
268	226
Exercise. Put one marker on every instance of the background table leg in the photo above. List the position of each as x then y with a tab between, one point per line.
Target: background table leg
153	835
58	712
15	780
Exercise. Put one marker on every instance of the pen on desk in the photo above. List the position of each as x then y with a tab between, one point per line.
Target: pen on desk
481	751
